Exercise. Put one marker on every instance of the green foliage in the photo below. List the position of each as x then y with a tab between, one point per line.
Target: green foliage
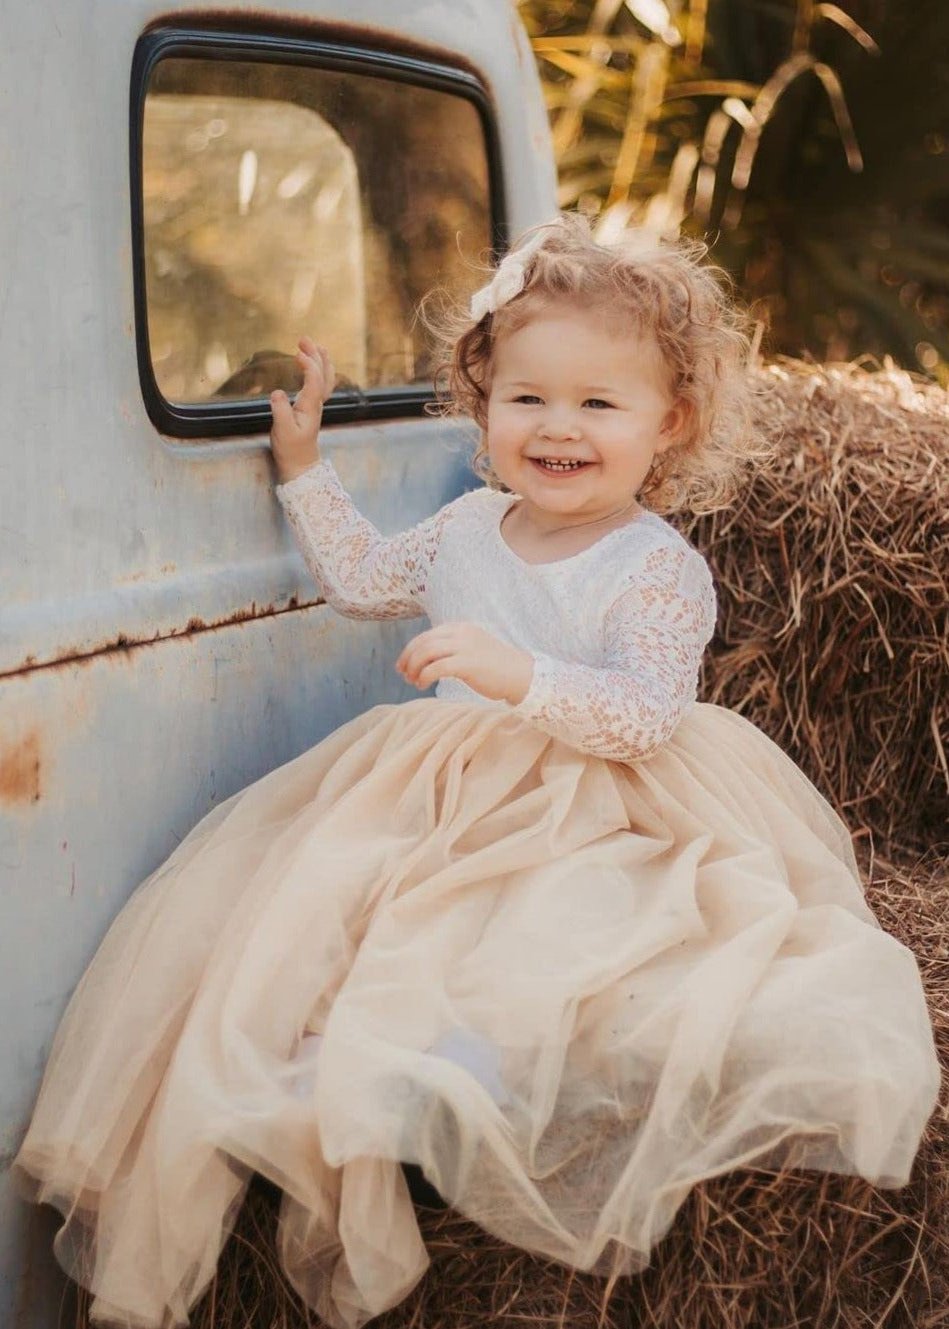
809	144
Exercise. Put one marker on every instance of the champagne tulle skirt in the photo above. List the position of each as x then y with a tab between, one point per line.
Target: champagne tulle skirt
568	988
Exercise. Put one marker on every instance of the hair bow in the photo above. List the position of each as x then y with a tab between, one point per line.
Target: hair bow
510	276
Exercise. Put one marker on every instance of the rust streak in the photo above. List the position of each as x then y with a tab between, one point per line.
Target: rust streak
20	771
123	643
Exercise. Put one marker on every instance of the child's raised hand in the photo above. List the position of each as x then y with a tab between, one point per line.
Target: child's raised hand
492	667
295	427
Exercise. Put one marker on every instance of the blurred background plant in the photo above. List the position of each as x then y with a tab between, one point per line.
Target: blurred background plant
808	143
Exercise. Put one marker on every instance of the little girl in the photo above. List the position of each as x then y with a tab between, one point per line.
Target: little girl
562	936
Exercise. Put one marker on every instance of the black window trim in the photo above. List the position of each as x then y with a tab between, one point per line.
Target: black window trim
229	419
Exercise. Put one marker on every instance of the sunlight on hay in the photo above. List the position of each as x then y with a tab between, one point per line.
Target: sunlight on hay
833	579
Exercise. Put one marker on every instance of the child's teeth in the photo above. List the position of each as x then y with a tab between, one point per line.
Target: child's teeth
553	465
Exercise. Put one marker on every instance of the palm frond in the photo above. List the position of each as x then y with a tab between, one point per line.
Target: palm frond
670	118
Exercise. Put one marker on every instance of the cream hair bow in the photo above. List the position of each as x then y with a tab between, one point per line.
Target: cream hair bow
510	276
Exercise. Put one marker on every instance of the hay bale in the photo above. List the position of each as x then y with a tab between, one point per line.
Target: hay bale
833	576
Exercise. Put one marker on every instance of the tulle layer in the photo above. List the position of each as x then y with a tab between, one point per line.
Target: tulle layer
568	988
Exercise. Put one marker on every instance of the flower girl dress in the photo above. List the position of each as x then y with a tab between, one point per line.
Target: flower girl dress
570	957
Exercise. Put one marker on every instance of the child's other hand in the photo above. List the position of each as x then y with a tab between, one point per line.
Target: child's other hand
295	427
492	667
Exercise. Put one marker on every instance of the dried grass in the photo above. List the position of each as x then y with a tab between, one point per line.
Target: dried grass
832	638
833	576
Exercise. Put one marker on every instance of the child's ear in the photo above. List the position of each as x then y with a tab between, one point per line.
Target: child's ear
674	424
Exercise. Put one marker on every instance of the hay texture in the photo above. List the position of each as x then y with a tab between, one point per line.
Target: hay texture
833	579
832	574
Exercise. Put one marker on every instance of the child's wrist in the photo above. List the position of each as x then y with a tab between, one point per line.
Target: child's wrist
290	472
522	675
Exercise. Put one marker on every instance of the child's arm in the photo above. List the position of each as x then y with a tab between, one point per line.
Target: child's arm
655	636
361	573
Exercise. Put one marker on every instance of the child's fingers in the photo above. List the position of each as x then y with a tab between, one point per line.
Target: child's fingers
408	652
428	657
431	673
282	411
414	652
322	356
329	372
312	394
447	637
407	663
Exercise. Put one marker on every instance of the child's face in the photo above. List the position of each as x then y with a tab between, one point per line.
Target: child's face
566	386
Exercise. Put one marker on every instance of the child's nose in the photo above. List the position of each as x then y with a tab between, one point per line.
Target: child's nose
559	423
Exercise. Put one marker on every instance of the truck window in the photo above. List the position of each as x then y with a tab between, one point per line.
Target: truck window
277	198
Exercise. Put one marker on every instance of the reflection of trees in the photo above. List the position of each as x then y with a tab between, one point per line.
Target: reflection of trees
422	196
267	182
191	311
235	233
809	142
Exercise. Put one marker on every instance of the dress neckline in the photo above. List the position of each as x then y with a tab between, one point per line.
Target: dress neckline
556	562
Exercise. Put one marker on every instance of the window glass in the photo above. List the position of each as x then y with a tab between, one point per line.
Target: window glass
280	200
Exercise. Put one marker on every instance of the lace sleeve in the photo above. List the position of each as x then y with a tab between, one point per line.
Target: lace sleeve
655	635
360	572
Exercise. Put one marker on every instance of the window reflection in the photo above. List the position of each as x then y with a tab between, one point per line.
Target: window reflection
280	200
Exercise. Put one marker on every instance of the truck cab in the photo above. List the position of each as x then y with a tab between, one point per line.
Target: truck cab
185	194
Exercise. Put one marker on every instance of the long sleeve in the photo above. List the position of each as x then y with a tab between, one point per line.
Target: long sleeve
655	635
360	572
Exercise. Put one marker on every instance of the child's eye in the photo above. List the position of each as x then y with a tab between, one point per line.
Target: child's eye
598	403
527	399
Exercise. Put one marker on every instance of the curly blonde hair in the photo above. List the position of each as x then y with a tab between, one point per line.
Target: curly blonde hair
656	287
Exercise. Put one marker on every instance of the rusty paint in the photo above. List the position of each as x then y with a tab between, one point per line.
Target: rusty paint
123	644
144	574
20	771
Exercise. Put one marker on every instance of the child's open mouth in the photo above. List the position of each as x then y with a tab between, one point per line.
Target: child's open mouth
554	466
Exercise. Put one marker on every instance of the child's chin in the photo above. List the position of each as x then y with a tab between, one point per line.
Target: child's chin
556	490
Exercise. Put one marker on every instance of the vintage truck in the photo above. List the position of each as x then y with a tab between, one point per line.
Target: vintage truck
185	193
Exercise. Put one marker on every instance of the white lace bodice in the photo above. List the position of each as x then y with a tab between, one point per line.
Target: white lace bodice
617	631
